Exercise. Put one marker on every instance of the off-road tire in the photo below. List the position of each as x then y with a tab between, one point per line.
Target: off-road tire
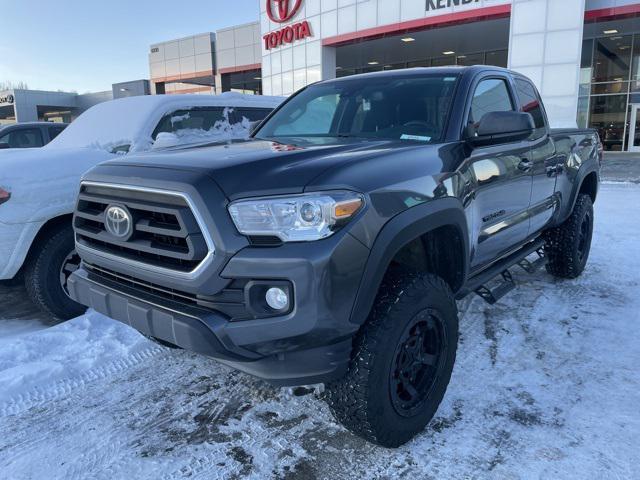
567	246
42	275
362	400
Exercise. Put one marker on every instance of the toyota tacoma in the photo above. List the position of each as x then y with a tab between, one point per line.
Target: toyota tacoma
332	245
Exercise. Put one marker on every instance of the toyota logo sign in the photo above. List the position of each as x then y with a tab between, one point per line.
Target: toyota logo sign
282	11
118	222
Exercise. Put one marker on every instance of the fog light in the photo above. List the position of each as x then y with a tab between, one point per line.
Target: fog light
277	298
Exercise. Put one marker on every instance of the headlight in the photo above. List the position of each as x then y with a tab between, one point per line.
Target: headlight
297	218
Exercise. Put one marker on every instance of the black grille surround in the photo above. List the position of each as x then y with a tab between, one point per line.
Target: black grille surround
230	301
166	234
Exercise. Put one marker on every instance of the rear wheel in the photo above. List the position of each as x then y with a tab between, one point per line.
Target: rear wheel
567	246
402	362
47	271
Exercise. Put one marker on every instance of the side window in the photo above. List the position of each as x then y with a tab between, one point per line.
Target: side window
193	119
27	138
55	131
531	102
252	114
491	95
315	119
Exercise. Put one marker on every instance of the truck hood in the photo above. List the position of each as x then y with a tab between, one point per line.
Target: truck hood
258	167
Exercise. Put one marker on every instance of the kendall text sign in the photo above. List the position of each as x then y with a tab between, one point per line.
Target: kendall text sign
433	5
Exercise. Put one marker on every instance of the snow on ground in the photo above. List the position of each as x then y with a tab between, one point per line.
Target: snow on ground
546	385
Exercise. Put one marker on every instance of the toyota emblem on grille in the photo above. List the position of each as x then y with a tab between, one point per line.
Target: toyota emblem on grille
118	222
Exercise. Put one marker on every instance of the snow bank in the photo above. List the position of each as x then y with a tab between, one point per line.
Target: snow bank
70	350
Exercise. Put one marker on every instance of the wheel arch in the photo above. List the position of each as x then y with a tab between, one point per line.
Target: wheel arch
439	219
589	185
586	181
51	225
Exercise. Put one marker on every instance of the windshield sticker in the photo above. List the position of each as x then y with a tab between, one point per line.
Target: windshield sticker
366	105
420	138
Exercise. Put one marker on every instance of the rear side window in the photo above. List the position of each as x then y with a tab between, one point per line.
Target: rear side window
25	138
192	119
55	131
530	102
491	95
251	114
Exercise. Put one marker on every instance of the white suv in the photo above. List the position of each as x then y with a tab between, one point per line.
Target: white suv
38	187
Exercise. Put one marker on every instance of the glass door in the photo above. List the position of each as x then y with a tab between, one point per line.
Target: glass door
634	128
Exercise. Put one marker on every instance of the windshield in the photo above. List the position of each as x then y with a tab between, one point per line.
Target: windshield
398	108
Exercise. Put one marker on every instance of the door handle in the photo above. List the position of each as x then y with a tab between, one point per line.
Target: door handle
554	170
525	165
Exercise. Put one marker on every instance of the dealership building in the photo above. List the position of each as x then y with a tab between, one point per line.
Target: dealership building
584	55
22	105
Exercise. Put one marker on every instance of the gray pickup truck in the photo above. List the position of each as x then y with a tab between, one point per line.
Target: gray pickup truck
332	245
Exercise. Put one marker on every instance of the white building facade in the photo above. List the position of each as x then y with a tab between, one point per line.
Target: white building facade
582	54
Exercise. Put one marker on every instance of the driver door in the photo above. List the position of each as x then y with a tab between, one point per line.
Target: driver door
497	215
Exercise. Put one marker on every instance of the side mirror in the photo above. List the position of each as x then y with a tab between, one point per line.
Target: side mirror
4	145
503	127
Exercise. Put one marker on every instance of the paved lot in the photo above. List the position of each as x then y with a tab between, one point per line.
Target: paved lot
621	167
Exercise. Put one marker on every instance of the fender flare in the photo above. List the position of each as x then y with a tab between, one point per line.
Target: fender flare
396	233
583	172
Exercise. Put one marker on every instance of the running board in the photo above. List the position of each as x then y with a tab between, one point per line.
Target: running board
478	283
492	295
537	264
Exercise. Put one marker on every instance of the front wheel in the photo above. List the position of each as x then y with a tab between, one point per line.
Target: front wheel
401	364
47	271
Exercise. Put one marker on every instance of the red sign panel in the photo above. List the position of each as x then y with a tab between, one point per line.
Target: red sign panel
281	11
288	34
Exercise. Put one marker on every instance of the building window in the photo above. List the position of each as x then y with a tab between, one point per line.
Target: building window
609	84
249	82
497	58
583	112
612	59
608	116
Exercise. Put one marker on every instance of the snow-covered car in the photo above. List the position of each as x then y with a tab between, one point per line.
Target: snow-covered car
38	187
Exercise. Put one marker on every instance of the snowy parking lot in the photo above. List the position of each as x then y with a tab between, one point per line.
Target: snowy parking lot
546	385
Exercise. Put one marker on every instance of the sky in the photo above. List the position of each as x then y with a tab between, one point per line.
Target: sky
85	46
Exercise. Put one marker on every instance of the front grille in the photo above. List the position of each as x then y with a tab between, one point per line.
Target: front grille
165	231
230	301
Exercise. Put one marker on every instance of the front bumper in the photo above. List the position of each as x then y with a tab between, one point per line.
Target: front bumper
311	344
